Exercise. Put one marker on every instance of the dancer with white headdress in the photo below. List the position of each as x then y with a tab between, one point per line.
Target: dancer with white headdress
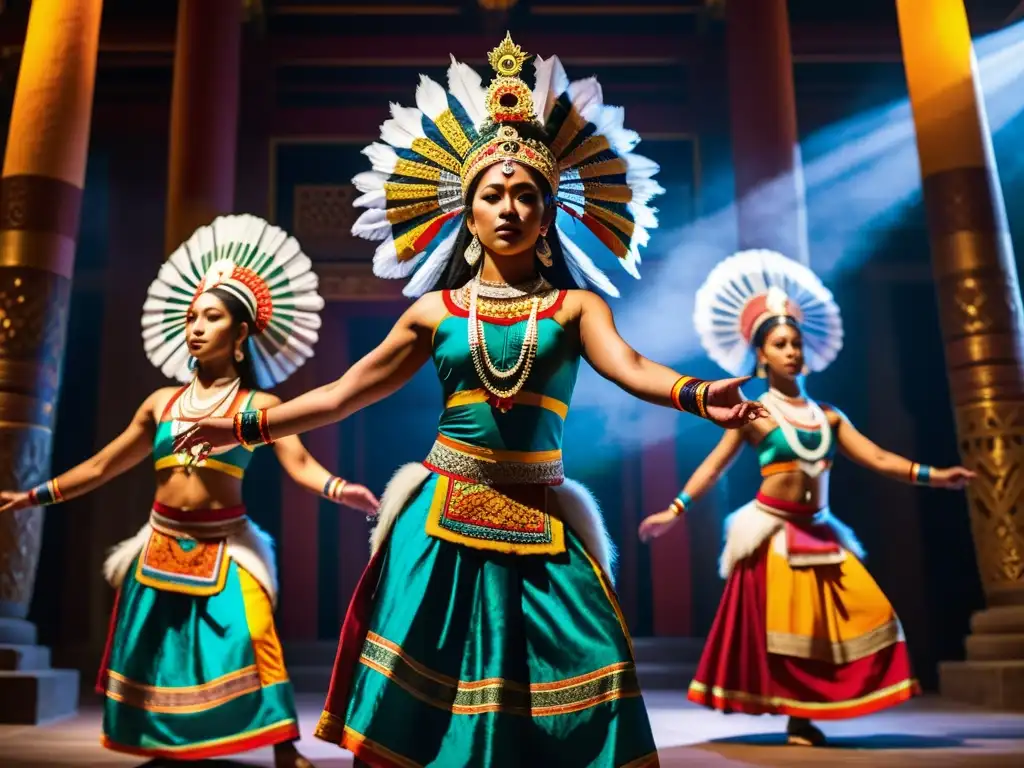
802	629
487	617
193	667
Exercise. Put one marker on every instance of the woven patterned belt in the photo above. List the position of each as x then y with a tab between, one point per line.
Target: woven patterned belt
199	523
492	466
790	510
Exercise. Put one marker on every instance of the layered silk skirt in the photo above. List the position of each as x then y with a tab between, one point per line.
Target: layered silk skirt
454	656
802	628
194	668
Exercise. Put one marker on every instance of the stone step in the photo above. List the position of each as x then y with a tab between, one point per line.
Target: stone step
992	684
1003	647
37	697
20	658
1000	620
17	631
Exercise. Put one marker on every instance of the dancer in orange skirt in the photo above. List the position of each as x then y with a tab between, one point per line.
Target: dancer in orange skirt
802	629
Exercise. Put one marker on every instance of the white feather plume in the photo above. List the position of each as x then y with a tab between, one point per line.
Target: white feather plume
431	98
467	87
551	83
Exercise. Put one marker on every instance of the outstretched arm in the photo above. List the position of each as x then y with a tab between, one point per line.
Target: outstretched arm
301	467
701	481
118	456
381	372
618	362
860	449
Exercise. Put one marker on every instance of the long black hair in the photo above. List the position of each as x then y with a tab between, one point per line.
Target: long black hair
240	316
459	272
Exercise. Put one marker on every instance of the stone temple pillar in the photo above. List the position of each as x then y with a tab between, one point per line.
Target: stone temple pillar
982	326
40	202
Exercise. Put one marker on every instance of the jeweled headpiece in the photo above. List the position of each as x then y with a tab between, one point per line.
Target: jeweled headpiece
261	266
751	288
429	156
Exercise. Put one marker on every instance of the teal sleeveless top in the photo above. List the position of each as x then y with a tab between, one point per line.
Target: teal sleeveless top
232	462
775	455
516	441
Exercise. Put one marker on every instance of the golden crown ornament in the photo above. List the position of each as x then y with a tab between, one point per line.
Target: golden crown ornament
429	155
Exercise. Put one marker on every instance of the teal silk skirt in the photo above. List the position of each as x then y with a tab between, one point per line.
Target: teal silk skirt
191	677
474	658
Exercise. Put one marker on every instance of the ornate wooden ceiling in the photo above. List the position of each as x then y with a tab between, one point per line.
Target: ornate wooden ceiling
345	53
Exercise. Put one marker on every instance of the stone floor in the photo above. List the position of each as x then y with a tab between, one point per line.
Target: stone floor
926	732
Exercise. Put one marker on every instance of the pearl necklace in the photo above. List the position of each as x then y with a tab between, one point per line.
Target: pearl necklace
190	407
773	404
493	379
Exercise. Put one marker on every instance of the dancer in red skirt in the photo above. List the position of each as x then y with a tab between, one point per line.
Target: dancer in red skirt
802	630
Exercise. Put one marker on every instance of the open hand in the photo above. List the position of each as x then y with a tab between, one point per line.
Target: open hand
727	408
952	478
653	526
204	436
12	501
359	497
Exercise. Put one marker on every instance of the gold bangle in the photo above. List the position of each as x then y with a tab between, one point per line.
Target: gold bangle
702	393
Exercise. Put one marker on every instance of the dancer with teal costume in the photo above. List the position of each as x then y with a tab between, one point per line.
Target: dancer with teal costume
193	667
485	630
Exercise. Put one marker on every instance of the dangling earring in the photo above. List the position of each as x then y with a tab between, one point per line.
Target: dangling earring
544	251
193	364
473	251
761	370
239	355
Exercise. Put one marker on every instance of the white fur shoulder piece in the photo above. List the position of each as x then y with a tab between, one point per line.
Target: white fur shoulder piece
581	512
404	484
749	527
253	550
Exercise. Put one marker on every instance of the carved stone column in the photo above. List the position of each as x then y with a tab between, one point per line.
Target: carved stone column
981	321
771	207
40	202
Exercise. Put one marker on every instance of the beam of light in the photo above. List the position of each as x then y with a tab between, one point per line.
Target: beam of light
861	175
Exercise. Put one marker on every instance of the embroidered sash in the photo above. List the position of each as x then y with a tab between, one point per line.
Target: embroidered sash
510	519
809	540
187	550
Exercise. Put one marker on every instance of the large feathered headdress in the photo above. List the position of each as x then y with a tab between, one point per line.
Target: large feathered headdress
429	155
257	263
750	288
